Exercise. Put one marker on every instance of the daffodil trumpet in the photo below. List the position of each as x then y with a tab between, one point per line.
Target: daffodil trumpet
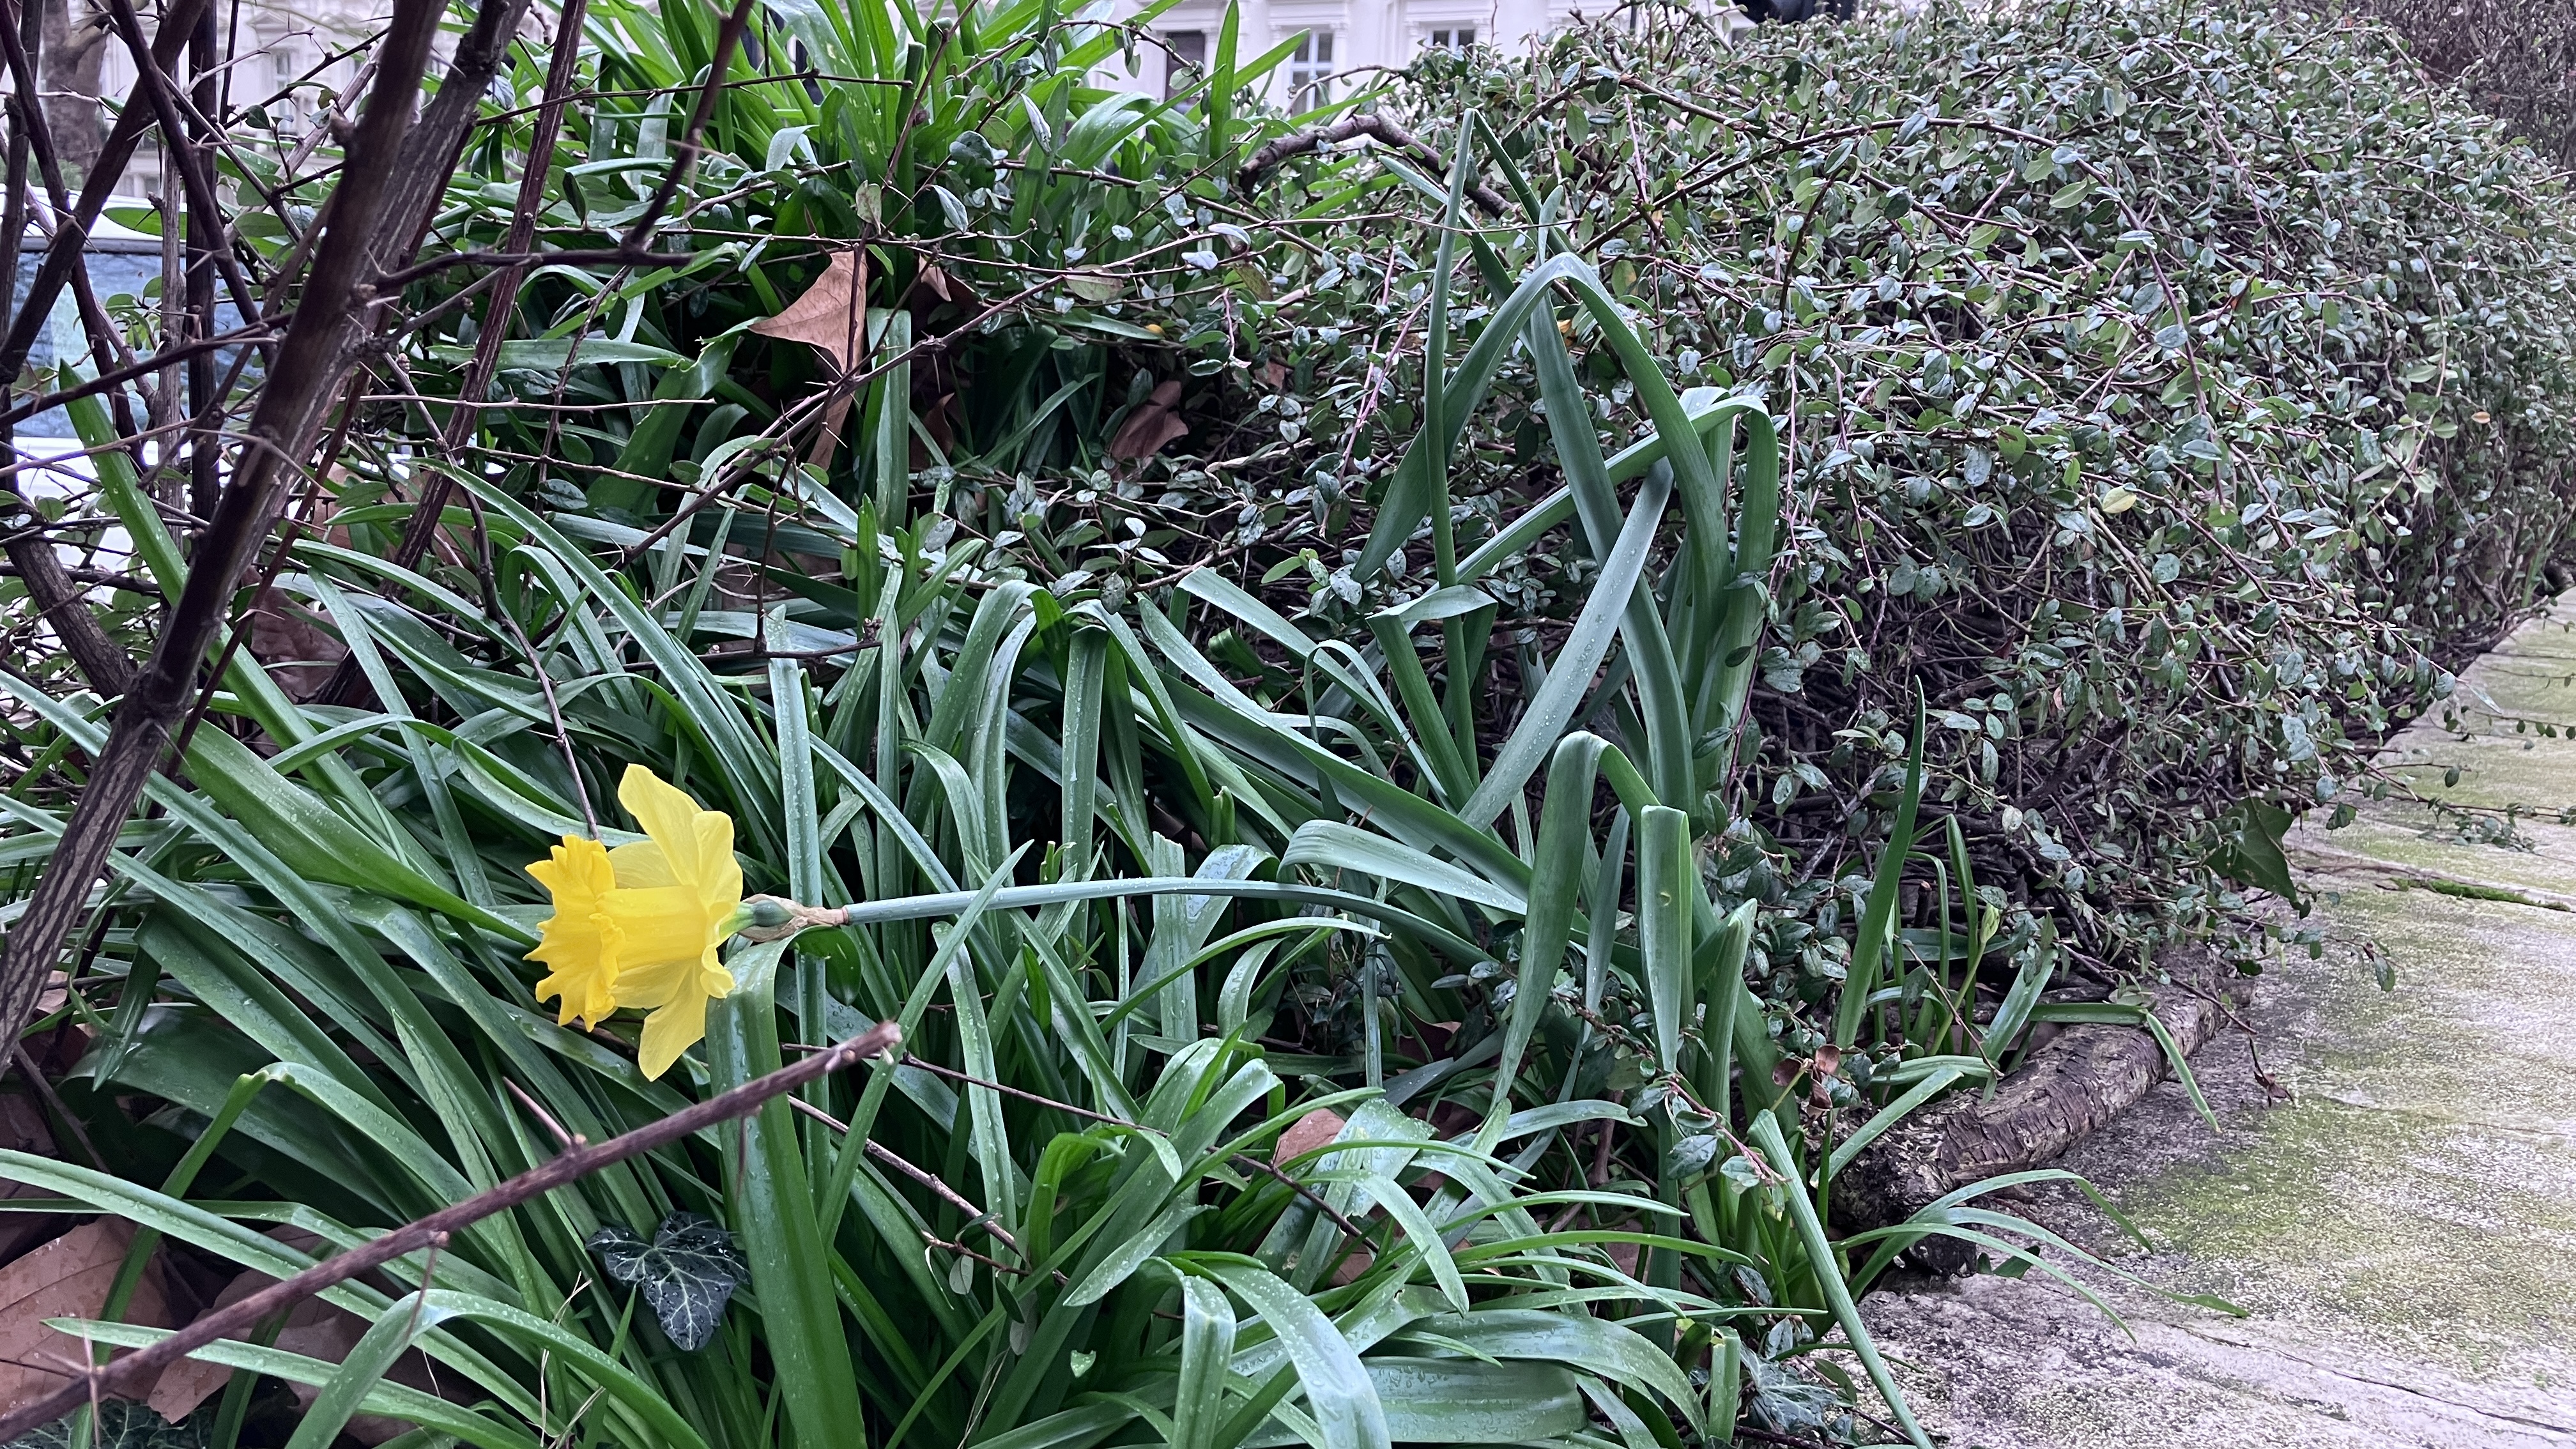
639	926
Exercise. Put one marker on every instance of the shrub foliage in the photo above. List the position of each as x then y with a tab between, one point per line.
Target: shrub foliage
1424	736
2167	396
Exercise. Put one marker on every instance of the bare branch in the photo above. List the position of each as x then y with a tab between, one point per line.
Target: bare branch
31	555
561	73
684	157
71	230
1350	128
307	374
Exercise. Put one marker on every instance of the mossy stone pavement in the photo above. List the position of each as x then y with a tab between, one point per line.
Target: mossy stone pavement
2398	1218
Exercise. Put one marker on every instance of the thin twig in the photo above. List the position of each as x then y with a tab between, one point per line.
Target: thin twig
517	255
1241	1158
66	251
553	1127
926	1178
45	1089
423	526
1348	128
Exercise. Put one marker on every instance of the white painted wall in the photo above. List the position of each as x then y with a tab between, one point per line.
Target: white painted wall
290	55
1364	35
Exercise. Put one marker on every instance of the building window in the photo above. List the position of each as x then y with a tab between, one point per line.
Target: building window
283	72
1184	60
1310	71
1454	40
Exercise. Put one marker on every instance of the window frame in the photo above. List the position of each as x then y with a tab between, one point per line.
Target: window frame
1311	68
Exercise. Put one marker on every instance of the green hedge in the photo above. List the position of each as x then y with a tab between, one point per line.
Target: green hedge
2168	396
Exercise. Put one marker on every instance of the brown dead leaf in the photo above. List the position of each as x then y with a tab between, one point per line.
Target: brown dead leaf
313	1328
23	1129
932	286
22	1126
287	637
827	439
830	317
1306	1134
935	423
66	1278
1153	424
58	990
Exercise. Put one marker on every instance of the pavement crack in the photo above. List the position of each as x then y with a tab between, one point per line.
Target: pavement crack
2564	1428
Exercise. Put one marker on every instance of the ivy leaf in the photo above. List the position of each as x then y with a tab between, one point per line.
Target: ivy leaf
687	1273
1786	1403
1692	1155
2249	849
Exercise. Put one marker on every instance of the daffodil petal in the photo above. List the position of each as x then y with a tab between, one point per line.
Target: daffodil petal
665	925
642	866
671	1030
670	817
720	875
656	984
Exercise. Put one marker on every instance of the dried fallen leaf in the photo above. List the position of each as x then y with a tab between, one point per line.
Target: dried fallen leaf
937	283
66	1278
23	1129
1150	426
57	992
1306	1134
289	638
313	1328
1623	1255
830	316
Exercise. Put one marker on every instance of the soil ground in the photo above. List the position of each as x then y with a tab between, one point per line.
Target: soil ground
2395	1210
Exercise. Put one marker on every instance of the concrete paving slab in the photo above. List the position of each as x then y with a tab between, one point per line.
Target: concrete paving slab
2395	1209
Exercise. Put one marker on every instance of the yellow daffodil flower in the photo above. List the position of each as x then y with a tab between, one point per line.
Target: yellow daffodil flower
639	925
582	940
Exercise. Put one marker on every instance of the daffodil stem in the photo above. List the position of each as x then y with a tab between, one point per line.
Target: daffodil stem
127	1375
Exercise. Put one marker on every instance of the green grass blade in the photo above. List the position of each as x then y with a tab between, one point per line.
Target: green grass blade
1207	1350
774	1216
1339	1391
1667	878
1879	914
368	1362
1569	675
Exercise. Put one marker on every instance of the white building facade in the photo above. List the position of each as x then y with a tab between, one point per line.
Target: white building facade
1338	42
